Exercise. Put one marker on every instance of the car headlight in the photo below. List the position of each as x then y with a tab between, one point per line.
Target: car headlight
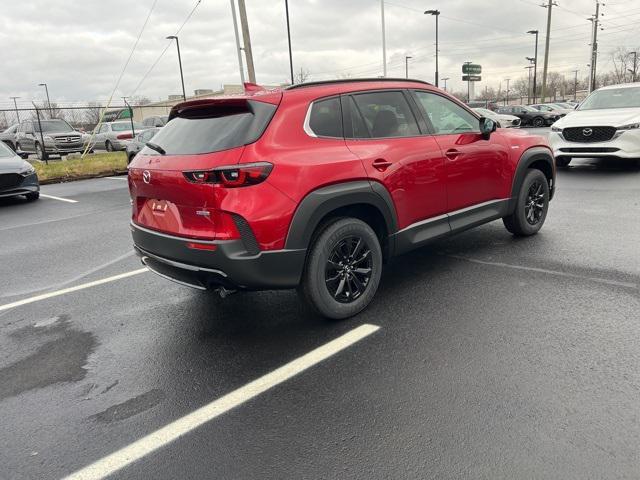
631	126
27	170
47	138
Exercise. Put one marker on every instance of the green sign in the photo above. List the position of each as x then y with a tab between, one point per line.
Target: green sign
471	69
471	78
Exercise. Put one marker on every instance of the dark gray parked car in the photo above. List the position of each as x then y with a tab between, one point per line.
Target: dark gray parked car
58	136
140	140
17	176
9	136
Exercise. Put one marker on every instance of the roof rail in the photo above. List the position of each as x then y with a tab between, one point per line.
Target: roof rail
353	80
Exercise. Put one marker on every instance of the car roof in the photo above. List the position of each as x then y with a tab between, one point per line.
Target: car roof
620	85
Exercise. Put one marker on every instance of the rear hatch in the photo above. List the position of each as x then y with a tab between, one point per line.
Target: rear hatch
200	136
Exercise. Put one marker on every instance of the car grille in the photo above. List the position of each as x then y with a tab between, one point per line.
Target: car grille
589	150
67	140
589	134
10	180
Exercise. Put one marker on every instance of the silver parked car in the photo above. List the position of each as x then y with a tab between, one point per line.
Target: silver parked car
58	137
8	136
552	108
503	120
114	136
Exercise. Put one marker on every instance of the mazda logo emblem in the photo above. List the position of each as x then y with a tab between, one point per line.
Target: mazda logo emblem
587	132
146	176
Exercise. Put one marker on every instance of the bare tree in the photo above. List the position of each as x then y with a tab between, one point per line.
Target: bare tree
302	76
92	113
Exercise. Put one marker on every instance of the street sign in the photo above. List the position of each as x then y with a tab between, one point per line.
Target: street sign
471	69
471	78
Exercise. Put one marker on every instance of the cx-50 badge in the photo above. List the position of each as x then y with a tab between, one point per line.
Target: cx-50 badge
587	132
146	176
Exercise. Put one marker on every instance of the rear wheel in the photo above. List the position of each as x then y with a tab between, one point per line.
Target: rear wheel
538	122
531	205
563	161
108	146
343	269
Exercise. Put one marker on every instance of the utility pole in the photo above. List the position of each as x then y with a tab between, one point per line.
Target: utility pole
575	84
15	104
406	66
507	99
384	41
435	13
247	40
595	20
530	67
468	83
549	6
238	51
445	82
286	8
175	37
535	66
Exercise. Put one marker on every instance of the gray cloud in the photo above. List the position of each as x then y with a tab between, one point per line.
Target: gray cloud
79	47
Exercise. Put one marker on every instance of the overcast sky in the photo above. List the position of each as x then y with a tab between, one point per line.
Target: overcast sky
79	47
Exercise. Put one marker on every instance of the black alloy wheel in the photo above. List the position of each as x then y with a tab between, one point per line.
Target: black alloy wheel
538	122
535	203
348	269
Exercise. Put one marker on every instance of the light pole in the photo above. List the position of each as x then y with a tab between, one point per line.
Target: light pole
435	13
15	104
529	89
506	102
384	41
175	37
535	65
445	83
468	83
575	85
406	66
286	8
48	101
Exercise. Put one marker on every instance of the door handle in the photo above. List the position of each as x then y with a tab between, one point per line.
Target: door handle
381	164
452	154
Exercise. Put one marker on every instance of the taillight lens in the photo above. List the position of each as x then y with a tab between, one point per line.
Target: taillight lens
124	136
232	176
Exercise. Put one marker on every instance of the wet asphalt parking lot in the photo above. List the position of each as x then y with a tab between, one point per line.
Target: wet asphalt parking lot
495	357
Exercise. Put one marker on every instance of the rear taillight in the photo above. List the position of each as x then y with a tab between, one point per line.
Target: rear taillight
124	136
232	176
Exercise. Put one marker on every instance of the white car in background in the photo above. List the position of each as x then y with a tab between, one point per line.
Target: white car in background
112	136
605	125
503	120
552	108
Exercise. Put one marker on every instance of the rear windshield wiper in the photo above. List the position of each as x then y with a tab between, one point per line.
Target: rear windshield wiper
156	147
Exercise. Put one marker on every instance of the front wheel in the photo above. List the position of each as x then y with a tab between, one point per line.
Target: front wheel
343	269
532	205
538	122
40	153
108	146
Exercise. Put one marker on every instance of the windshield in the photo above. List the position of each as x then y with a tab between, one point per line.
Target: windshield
125	126
53	126
5	151
612	98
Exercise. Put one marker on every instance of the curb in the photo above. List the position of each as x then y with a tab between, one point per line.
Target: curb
112	173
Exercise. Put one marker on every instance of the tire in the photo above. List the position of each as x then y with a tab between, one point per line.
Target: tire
40	153
528	218
108	146
33	196
331	286
563	161
538	122
23	155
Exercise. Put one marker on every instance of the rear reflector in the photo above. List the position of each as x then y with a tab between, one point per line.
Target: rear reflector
202	246
232	176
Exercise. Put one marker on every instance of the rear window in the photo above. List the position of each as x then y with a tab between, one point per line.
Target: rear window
213	128
125	126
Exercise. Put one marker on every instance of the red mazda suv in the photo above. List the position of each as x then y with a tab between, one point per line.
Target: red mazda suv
315	186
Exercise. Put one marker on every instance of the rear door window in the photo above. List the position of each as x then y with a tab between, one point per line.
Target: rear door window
325	118
386	114
213	128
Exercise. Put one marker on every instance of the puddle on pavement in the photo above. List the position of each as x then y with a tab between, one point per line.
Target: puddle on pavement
131	407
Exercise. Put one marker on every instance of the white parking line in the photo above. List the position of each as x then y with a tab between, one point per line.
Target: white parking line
124	177
68	200
167	434
64	291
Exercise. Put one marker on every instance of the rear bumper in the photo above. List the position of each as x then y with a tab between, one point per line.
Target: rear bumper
229	265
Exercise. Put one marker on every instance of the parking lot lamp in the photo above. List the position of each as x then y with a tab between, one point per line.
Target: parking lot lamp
435	13
445	82
175	37
46	89
535	65
15	104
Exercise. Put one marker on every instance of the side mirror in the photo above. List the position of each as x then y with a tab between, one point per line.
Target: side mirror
487	127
